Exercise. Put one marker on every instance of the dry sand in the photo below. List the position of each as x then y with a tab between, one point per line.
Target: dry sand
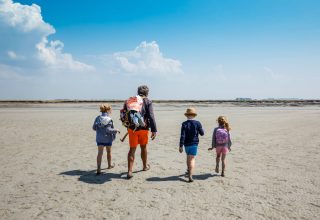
48	161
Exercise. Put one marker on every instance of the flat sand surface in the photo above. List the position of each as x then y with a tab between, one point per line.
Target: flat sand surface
48	162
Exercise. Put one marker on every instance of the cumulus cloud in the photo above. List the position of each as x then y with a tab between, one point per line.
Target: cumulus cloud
34	66
24	43
52	55
24	39
145	59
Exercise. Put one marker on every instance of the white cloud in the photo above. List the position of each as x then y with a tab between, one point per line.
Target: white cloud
12	55
24	43
23	17
272	74
145	59
52	55
24	40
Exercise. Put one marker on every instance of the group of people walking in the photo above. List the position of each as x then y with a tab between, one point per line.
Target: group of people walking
138	117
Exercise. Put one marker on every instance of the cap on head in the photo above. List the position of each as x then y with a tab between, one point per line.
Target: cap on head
190	112
143	90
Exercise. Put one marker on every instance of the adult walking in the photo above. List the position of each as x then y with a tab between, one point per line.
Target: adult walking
139	111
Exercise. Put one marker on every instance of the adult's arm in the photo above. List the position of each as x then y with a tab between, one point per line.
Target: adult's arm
152	120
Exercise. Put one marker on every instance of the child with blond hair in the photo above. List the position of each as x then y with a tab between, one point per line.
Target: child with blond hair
105	135
221	141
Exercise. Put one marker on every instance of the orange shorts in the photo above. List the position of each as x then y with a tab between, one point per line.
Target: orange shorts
138	137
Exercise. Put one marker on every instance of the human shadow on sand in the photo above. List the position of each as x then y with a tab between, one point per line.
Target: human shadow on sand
180	177
91	177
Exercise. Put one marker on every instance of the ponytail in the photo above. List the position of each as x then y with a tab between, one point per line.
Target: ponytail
227	126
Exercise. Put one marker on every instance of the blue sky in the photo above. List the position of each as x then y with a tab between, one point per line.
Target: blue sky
181	49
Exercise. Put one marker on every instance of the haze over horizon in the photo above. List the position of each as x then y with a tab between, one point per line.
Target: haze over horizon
181	49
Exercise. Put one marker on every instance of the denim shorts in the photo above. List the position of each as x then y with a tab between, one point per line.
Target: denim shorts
104	144
191	150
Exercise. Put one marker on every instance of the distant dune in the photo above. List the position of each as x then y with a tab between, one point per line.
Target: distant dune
267	102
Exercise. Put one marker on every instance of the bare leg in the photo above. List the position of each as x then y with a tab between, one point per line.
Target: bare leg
144	156
191	163
188	165
217	163
131	154
223	158
99	158
109	157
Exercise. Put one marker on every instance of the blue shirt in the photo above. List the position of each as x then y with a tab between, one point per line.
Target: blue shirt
105	132
190	131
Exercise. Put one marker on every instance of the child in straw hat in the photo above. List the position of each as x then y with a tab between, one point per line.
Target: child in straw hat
189	138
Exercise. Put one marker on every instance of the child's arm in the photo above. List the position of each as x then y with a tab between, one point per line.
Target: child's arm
110	129
94	126
182	138
229	142
201	132
213	144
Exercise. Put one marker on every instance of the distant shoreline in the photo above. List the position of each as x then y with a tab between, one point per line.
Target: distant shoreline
275	102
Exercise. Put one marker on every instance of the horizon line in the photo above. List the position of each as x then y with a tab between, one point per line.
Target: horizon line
157	100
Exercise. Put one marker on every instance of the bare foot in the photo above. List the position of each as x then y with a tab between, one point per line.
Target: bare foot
222	173
129	176
146	168
217	169
190	179
186	174
110	167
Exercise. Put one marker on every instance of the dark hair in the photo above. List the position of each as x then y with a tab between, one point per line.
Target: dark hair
143	90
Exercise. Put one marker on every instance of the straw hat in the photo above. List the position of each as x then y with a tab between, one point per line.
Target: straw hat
191	111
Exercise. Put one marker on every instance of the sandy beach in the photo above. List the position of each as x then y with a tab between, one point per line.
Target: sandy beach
48	162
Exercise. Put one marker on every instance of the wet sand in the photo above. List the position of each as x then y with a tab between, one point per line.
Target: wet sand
48	162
